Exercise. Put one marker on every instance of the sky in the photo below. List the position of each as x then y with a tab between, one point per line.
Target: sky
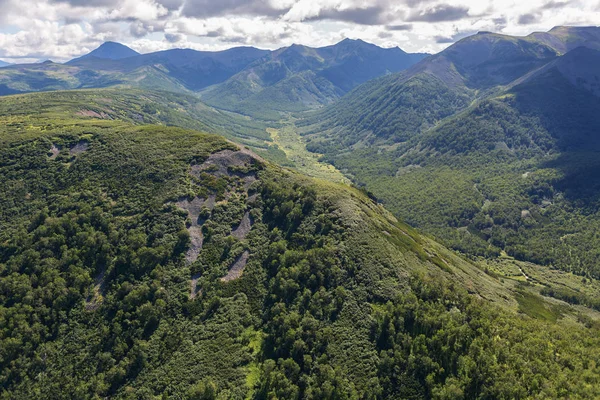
37	30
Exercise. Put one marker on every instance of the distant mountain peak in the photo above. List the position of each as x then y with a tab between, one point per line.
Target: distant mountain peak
566	38
355	43
349	40
111	51
574	28
297	46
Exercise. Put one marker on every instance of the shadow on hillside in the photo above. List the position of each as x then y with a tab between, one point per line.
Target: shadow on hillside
580	182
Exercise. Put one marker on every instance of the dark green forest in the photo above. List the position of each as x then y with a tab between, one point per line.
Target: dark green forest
321	293
514	173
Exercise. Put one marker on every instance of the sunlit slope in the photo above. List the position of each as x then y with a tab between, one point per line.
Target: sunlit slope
144	261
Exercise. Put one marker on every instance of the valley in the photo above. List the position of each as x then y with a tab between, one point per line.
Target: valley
291	143
503	170
338	222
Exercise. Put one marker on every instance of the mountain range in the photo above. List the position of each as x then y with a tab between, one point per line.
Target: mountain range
486	144
237	79
298	78
189	226
139	260
475	68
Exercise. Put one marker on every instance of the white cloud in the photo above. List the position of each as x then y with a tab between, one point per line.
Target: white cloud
61	29
143	10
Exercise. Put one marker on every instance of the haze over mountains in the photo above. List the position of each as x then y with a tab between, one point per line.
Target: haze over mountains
299	77
305	77
471	69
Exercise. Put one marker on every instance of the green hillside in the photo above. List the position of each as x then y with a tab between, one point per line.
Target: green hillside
115	65
136	107
145	261
299	78
257	82
388	110
515	172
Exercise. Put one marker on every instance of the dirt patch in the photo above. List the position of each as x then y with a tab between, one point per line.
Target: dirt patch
210	202
227	163
194	209
251	199
95	299
248	181
54	152
194	286
243	228
196	240
79	148
237	268
93	114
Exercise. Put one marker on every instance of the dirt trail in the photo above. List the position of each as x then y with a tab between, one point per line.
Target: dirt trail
95	298
237	268
243	228
194	286
523	273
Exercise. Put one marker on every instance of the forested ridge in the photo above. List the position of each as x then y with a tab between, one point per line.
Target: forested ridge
157	262
491	155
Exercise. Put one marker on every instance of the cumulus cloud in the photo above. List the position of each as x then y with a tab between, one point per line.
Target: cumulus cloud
399	27
140	29
527	19
555	4
175	37
363	16
440	12
62	29
88	3
212	8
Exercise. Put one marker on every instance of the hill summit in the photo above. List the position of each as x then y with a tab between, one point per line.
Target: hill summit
111	51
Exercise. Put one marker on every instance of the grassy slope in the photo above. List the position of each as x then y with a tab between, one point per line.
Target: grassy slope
390	109
338	298
138	107
156	107
512	172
